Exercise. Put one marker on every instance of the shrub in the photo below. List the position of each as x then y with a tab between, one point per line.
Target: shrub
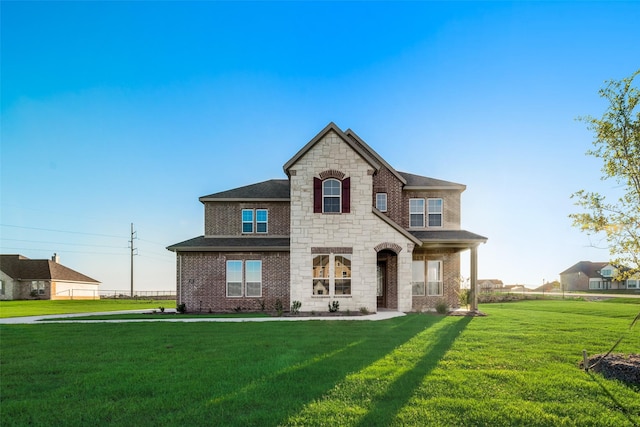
364	310
279	307
238	309
161	309
334	306
442	307
263	304
295	307
181	308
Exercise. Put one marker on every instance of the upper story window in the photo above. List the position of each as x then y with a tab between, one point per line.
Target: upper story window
257	220
416	213
434	211
381	202
331	195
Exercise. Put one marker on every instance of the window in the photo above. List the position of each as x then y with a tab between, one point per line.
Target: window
321	275
1	287
417	277
234	278
633	283
434	278
342	275
331	196
247	220
381	202
606	273
416	212
254	278
595	284
262	219
434	211
38	287
332	272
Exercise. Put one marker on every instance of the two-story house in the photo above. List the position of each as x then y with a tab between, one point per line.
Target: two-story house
591	276
344	226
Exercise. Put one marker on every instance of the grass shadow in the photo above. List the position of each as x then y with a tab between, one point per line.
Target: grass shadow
598	379
386	407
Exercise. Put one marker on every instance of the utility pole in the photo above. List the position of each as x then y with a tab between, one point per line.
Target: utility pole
133	252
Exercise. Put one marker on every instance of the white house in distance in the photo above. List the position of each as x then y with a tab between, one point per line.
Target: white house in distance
24	278
590	276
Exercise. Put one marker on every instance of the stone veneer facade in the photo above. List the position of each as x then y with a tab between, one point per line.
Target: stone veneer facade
361	230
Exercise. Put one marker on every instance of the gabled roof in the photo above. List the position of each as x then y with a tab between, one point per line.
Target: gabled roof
242	244
417	182
349	141
372	152
23	268
271	190
587	268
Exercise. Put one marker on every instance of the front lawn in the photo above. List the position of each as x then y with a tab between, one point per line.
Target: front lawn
517	366
43	307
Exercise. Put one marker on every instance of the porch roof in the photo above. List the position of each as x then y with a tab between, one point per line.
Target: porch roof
455	239
224	244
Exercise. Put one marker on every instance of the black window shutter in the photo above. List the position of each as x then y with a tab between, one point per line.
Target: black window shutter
317	195
346	195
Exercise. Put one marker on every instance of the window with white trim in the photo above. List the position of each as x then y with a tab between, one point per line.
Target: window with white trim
342	275
633	284
2	287
381	202
434	278
262	220
234	278
332	274
255	219
434	212
417	277
247	220
331	196
416	213
253	272
244	278
321	275
38	287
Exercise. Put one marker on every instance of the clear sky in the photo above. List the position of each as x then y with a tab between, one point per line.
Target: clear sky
126	112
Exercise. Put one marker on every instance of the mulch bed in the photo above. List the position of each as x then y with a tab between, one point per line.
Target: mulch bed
619	366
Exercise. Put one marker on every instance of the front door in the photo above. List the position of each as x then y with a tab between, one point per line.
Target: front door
382	284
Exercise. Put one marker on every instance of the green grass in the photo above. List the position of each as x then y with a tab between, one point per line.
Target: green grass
43	307
517	366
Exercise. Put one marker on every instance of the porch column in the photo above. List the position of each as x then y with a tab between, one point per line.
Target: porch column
473	286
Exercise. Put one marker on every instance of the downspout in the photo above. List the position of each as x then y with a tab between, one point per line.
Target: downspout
179	278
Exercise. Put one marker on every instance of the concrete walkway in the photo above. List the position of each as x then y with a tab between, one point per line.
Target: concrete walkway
381	315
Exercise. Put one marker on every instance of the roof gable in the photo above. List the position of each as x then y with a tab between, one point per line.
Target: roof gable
349	141
417	182
23	268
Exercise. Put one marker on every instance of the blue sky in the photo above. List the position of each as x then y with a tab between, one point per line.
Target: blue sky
122	112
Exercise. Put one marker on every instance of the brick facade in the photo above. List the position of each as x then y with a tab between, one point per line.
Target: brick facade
202	284
225	218
450	278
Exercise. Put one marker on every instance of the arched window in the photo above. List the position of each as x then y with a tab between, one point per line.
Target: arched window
331	195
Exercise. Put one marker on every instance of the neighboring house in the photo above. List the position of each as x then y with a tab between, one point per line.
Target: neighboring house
24	278
488	285
590	276
344	226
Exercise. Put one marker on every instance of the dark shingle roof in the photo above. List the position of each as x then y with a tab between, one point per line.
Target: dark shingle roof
218	244
449	238
588	268
423	181
271	189
20	267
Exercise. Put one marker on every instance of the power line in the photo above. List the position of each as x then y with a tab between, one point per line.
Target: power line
60	243
62	231
62	251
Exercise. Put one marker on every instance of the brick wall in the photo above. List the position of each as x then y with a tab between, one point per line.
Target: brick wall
225	218
450	207
385	182
450	276
202	286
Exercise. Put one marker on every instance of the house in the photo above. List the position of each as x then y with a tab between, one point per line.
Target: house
488	285
24	278
590	276
343	226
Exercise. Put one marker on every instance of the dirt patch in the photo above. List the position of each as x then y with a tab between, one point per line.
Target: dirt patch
619	366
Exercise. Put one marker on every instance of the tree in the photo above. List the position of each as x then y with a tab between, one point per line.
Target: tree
617	143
